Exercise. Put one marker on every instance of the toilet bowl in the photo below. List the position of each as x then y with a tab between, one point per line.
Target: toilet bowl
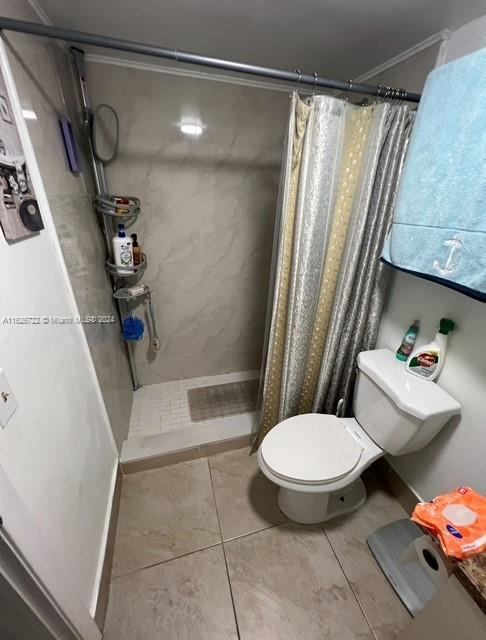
317	459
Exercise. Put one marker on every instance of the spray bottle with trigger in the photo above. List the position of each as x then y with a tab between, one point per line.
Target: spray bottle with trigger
427	360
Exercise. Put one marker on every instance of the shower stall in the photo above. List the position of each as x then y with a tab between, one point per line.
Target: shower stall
202	160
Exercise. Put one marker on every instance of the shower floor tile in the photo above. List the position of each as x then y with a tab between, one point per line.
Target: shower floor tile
159	408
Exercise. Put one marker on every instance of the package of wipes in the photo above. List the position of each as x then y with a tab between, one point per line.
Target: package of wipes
457	520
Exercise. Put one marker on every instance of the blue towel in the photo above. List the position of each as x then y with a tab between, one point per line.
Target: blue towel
439	225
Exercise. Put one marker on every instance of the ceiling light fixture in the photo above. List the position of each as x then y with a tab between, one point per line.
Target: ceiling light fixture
29	114
191	129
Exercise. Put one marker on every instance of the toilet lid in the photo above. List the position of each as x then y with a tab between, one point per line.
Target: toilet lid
311	449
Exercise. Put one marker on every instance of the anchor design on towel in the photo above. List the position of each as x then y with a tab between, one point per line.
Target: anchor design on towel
455	243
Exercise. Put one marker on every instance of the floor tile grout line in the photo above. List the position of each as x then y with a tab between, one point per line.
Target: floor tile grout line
252	533
156	564
368	622
224	554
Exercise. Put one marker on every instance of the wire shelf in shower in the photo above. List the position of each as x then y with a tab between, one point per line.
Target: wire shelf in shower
118	206
132	293
126	272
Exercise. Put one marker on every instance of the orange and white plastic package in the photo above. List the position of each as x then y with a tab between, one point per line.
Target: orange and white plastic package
457	520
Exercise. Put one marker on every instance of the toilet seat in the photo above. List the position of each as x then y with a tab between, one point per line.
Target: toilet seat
311	448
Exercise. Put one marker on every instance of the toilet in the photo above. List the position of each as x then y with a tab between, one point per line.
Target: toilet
317	460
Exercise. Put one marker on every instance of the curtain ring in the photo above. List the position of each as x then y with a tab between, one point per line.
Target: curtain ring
299	77
314	83
349	87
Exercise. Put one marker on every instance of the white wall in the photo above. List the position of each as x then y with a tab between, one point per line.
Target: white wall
457	456
469	38
411	72
208	210
57	450
77	225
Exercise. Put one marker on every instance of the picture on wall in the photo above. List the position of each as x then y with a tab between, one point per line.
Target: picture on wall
20	216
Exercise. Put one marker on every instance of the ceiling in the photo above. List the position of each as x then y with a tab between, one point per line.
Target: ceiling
336	38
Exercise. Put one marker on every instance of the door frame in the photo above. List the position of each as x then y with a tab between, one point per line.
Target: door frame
34	571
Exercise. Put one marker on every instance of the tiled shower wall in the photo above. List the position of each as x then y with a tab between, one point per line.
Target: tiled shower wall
208	208
70	200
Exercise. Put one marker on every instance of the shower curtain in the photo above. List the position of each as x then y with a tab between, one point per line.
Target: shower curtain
341	167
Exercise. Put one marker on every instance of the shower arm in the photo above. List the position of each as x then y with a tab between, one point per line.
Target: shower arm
293	77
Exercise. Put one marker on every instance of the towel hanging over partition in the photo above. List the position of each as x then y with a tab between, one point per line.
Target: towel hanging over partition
439	224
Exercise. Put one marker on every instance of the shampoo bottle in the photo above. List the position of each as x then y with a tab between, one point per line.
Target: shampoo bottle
123	251
427	361
408	342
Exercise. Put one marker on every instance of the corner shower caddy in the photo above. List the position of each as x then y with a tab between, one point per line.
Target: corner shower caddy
107	205
111	209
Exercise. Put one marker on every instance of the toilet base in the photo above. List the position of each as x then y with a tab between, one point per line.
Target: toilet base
311	508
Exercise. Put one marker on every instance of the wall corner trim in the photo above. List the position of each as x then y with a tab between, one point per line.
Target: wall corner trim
440	36
41	12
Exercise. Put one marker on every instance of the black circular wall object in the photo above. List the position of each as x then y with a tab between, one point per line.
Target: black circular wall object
30	215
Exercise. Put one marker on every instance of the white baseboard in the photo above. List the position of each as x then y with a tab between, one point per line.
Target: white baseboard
104	542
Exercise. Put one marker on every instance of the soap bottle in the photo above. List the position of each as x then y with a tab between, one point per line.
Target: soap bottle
123	251
137	250
427	361
408	342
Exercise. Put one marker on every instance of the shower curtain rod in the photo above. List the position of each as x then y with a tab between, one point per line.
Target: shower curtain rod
293	77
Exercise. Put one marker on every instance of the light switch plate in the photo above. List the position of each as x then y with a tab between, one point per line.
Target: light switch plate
8	403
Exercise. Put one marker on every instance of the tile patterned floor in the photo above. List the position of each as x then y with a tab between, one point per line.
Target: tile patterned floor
159	408
165	513
202	552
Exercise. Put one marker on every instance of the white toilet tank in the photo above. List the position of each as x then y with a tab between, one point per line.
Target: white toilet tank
400	412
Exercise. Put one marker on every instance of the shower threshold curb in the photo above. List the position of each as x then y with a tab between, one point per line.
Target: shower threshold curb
213	436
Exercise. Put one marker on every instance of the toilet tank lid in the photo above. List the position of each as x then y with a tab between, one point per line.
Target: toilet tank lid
420	398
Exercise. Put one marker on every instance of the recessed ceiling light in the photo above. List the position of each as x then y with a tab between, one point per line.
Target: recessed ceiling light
29	114
191	129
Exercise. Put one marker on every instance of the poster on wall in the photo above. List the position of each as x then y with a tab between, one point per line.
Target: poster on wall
20	216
